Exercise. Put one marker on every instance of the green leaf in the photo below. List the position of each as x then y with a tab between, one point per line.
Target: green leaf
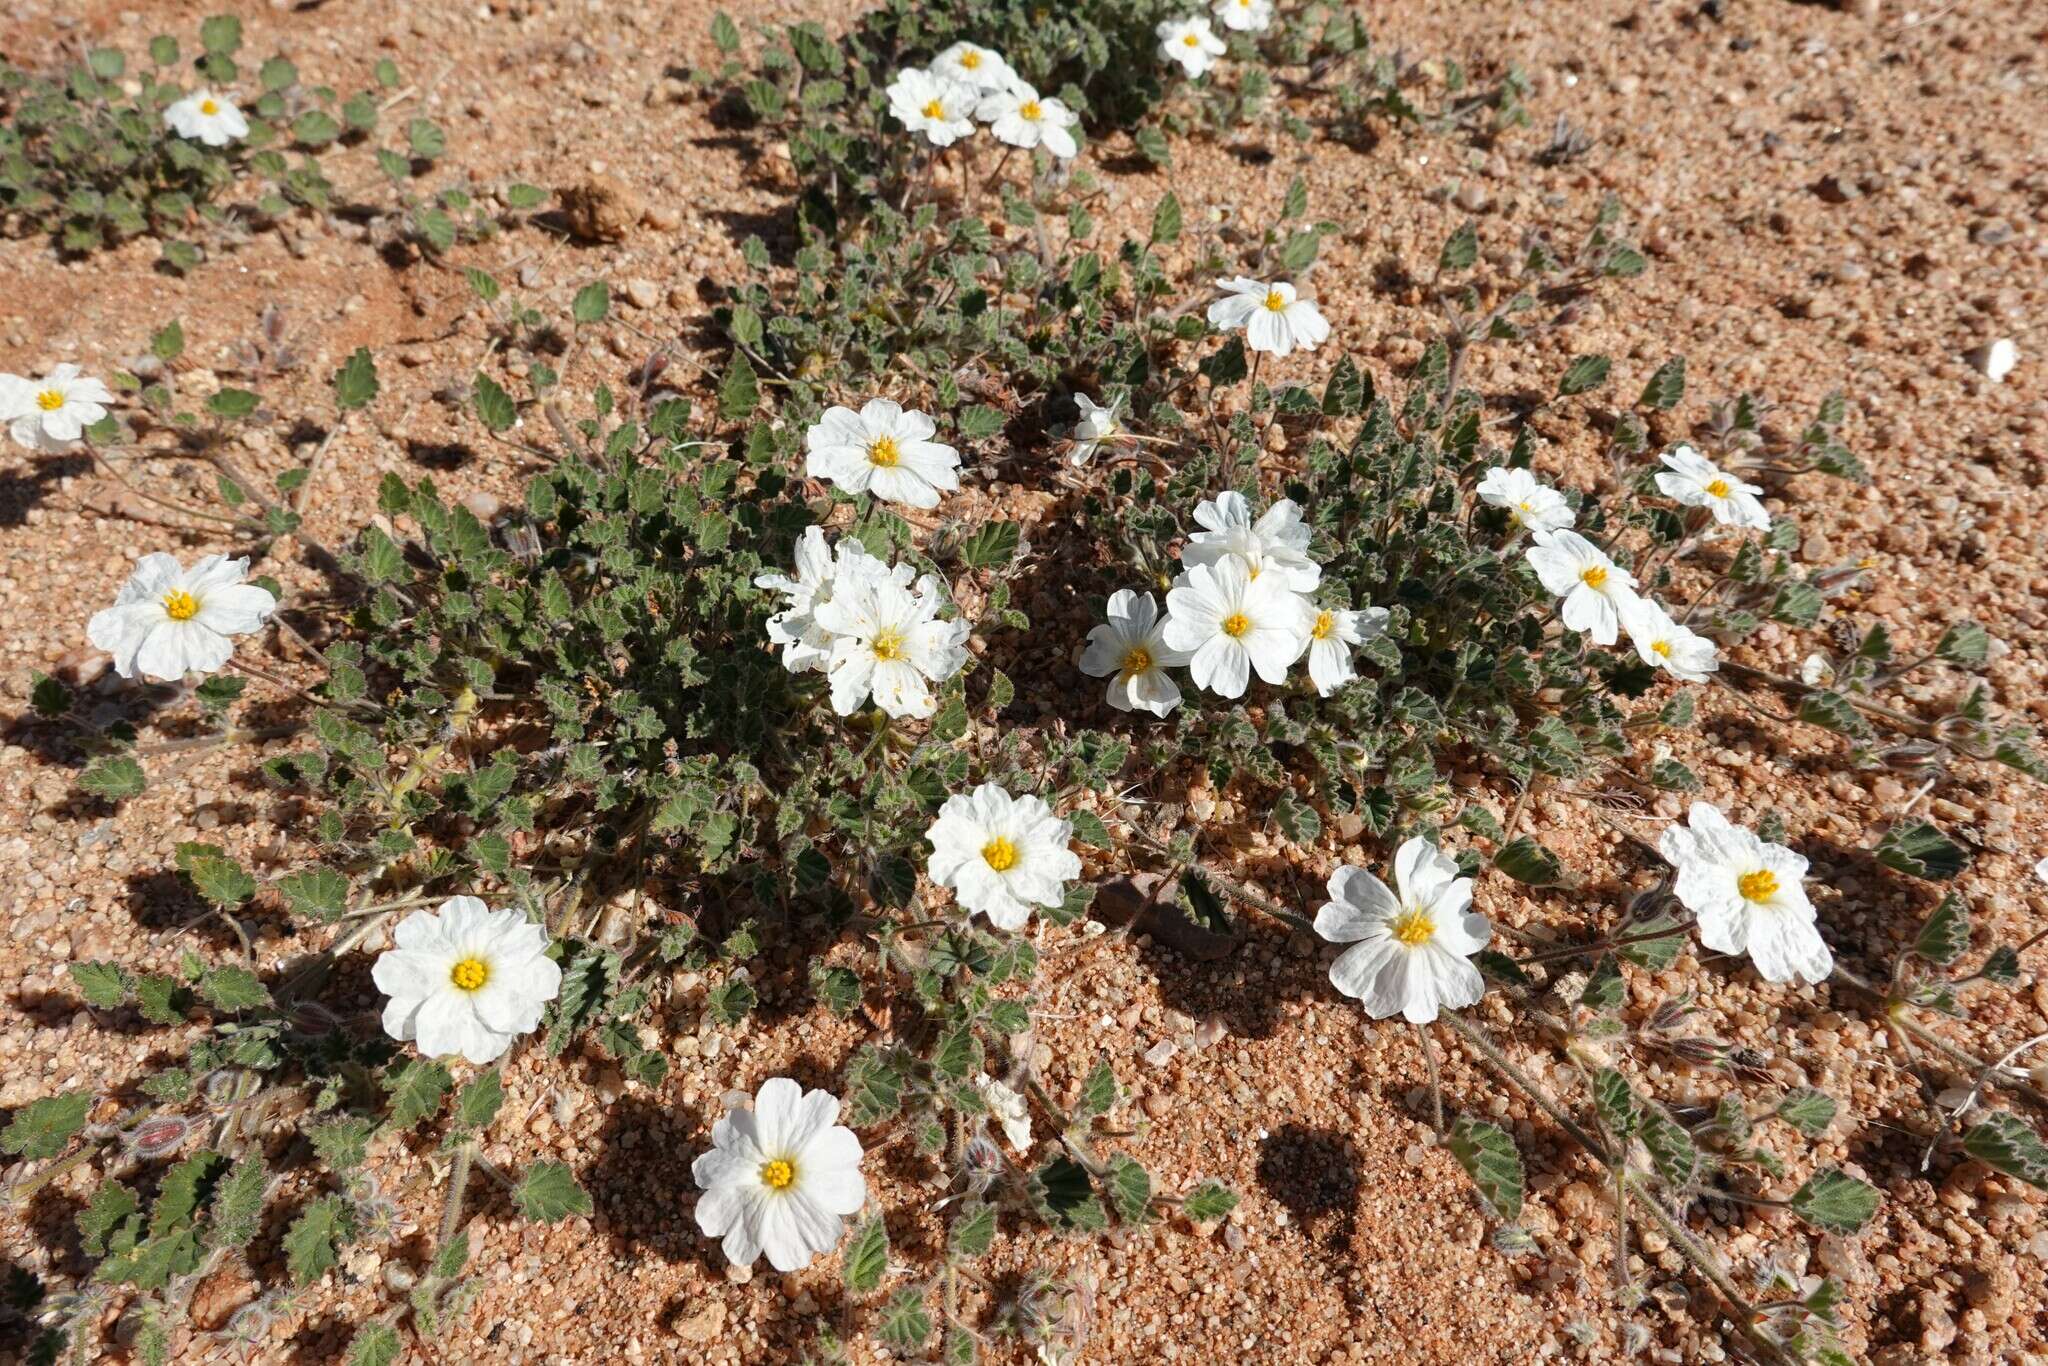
220	35
1208	1202
1460	250
113	777
1921	850
1946	934
311	1244
1583	374
417	1090
1098	1093
978	421
905	1324
739	393
1666	387
476	1105
168	343
1525	860
1490	1159
1166	220
1832	711
1130	1189
237	1213
375	1344
232	989
315	128
424	138
43	1128
1066	1197
867	1255
549	1192
1089	829
593	302
1605	988
1834	1200
992	545
316	891
1672	1150
2007	1143
1297	819
493	405
232	403
1621	1114
1807	1110
1965	643
215	876
112	1205
103	985
725	35
355	383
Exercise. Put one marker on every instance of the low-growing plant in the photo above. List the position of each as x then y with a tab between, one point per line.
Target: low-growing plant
730	678
94	154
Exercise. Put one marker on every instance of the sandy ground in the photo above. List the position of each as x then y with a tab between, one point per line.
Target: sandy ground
1831	200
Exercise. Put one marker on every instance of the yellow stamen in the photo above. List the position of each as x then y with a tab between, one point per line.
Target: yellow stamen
888	644
1719	488
1662	647
1236	625
1000	854
1030	110
883	453
1760	885
970	60
180	605
1593	577
1413	928
50	400
1191	41
777	1174
1325	623
470	974
208	107
1138	661
935	110
1276	301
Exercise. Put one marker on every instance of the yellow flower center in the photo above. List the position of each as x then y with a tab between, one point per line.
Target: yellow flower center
1593	577
1236	625
1000	854
1413	928
1191	41
970	60
884	454
1030	110
1138	661
933	110
888	644
50	400
180	605
1325	623
1524	506
1276	301
470	974
1719	488
1760	885
1662	647
208	107
777	1174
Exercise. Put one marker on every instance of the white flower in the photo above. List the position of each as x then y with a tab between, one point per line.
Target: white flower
780	1178
1191	42
206	117
939	108
1245	16
884	450
1332	634
888	641
977	67
1275	545
1229	624
1272	317
1019	117
1595	588
1664	644
1815	670
1009	1110
1002	855
1412	950
1099	426
52	414
1748	896
1698	482
1130	651
1533	506
2041	870
819	568
166	623
1995	360
465	979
